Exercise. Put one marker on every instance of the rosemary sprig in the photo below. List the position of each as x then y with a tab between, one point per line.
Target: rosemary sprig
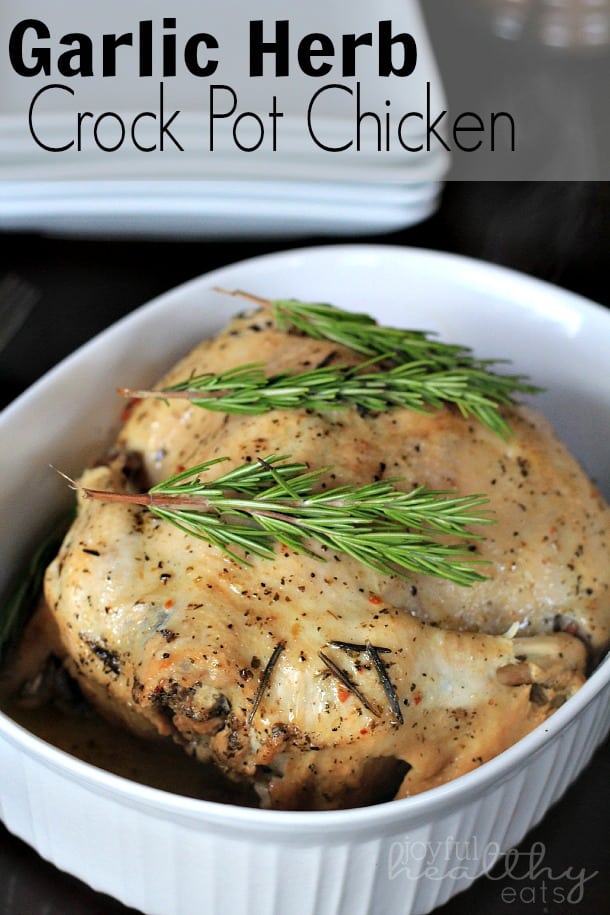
20	603
258	505
248	390
486	389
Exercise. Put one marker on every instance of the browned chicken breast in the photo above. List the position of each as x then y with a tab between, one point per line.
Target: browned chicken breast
324	683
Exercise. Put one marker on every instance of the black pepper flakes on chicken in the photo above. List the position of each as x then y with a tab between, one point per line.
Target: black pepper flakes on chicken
250	666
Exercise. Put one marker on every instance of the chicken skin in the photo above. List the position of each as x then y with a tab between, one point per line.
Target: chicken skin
320	681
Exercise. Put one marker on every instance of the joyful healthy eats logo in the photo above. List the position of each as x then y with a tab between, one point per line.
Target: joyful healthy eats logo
330	77
521	875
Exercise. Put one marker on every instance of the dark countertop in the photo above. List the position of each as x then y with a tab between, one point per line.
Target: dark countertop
558	232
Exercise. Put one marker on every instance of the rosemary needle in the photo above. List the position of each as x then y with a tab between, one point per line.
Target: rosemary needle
344	678
264	681
254	507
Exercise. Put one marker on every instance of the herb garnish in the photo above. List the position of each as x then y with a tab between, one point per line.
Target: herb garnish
415	385
22	600
264	680
476	389
374	652
258	505
344	678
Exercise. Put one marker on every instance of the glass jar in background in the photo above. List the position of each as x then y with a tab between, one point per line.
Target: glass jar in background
568	24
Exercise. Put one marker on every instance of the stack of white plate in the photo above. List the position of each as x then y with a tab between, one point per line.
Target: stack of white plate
256	175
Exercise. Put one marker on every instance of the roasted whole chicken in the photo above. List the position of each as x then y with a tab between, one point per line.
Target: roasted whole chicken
321	682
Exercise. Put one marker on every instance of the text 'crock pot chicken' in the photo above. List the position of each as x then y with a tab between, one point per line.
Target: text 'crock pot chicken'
321	681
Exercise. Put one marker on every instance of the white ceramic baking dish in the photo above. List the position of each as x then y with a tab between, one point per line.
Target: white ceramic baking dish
171	855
